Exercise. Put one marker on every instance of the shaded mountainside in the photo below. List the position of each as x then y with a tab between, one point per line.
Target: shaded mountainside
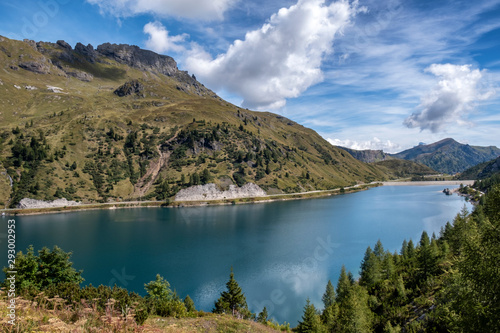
121	123
368	155
402	168
449	156
482	171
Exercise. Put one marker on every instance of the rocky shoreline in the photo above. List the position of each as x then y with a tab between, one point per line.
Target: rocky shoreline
28	203
212	192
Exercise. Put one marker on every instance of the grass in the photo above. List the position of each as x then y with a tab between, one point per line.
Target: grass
50	315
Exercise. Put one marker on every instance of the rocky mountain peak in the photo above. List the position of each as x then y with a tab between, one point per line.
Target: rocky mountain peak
87	51
134	56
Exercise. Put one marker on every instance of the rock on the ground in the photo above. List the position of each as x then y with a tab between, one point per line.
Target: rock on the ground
33	203
212	192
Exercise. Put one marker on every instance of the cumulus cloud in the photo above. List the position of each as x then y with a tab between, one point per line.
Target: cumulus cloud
191	9
281	59
458	89
160	41
374	144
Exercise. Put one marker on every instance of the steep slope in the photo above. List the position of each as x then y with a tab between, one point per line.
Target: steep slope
403	168
121	123
482	171
368	155
449	156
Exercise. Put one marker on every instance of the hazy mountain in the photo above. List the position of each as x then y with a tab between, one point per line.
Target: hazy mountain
403	168
445	156
449	156
118	122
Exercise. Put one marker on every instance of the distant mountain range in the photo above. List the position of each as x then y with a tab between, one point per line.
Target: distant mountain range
445	156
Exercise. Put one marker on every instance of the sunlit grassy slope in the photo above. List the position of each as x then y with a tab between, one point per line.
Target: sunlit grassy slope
173	117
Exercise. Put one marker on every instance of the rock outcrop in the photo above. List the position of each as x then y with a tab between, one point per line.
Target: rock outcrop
134	56
212	192
35	66
129	88
33	203
87	51
80	75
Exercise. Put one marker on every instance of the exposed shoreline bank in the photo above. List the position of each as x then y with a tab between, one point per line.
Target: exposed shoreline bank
263	199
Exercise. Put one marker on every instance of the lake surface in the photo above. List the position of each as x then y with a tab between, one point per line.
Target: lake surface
281	252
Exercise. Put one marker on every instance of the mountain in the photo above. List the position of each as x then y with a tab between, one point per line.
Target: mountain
445	156
368	155
120	123
482	171
403	168
449	156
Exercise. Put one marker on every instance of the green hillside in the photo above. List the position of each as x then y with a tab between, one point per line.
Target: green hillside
449	156
403	168
482	171
121	123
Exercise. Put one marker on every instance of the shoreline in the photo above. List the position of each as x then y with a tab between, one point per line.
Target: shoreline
221	202
429	182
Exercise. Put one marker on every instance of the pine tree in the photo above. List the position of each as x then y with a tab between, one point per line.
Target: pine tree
232	300
310	320
354	313
329	295
189	304
330	313
370	269
378	250
263	316
426	257
343	286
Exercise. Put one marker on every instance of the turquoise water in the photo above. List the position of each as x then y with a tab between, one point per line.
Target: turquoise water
281	252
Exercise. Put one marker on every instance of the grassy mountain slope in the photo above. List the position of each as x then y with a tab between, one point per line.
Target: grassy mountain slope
482	171
449	156
403	168
121	123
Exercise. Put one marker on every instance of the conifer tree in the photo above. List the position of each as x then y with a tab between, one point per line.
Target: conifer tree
329	295
330	312
343	286
232	300
189	304
263	316
370	269
310	320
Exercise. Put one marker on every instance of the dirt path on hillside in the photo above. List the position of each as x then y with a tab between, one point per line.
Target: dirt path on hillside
146	182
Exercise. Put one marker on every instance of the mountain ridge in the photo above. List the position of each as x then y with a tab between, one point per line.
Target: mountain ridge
445	156
120	123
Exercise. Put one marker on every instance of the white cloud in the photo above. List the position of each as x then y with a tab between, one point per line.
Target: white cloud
191	9
459	87
374	144
281	59
159	39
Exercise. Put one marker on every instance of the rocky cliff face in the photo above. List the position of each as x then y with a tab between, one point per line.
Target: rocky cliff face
136	57
72	62
212	192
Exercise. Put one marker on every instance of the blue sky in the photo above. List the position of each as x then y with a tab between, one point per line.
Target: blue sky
364	74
